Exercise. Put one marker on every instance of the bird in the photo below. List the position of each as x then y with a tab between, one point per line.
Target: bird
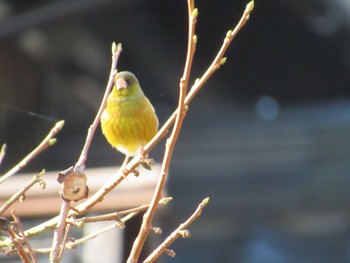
129	120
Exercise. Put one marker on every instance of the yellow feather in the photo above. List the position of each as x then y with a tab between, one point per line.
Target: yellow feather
129	122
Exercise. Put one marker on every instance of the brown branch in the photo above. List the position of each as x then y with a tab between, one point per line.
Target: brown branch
73	244
59	233
20	250
170	144
116	215
181	231
110	216
80	165
24	238
21	192
48	141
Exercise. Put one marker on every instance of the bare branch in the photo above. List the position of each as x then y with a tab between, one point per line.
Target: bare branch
2	152
17	196
48	141
170	144
24	238
181	231
80	165
57	244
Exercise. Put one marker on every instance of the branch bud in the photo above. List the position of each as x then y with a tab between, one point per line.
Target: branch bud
170	252
22	198
184	233
229	34
42	184
195	12
156	230
223	60
114	48
250	6
59	125
165	200
52	141
120	223
194	39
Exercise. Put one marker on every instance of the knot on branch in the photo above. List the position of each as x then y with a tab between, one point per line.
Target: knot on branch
74	186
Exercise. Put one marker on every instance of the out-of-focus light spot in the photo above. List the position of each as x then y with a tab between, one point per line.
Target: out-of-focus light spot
267	108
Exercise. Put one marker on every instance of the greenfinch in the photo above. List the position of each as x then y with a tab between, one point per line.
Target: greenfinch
129	121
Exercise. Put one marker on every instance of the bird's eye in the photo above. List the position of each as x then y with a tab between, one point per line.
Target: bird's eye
128	81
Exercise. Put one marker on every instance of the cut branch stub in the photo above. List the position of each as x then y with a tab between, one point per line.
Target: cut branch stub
74	186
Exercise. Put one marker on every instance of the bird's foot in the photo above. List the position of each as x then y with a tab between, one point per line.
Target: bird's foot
145	162
142	153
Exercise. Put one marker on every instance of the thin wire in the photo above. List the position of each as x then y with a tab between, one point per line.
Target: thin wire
34	114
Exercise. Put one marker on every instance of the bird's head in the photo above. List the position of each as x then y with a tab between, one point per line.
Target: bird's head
126	85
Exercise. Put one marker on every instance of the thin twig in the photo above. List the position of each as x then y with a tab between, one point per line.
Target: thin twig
19	247
48	141
180	231
116	50
24	238
21	192
170	144
116	215
72	244
57	244
2	152
218	60
65	238
110	216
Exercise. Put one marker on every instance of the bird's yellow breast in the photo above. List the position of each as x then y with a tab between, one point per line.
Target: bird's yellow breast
129	123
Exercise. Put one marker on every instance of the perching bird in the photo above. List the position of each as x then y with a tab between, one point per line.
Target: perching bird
129	121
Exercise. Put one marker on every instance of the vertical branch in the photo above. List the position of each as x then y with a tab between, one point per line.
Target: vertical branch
80	165
60	233
170	144
58	244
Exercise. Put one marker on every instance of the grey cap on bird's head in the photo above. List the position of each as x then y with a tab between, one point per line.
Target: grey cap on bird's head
123	79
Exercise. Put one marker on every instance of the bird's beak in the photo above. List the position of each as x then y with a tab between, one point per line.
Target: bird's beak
121	84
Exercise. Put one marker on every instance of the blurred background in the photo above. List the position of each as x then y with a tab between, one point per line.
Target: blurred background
267	138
